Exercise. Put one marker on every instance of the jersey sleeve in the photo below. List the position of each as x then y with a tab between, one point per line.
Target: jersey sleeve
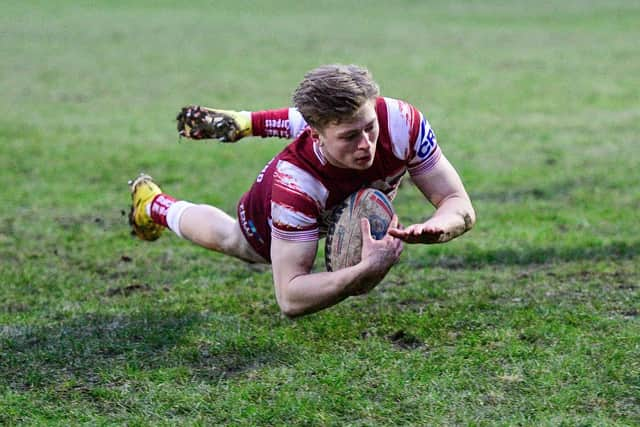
412	137
297	198
281	123
426	152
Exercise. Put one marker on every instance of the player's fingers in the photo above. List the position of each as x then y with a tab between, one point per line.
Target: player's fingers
365	227
411	234
394	230
394	222
409	231
395	227
419	230
397	233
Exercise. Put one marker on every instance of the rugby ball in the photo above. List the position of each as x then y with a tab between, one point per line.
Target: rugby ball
343	245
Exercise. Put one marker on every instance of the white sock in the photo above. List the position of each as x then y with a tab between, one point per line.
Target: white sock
174	213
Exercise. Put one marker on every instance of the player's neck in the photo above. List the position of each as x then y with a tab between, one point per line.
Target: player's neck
327	157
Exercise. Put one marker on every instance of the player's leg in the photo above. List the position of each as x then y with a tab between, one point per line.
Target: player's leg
211	228
204	225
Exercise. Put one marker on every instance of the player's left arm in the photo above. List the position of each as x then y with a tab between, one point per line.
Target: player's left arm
454	214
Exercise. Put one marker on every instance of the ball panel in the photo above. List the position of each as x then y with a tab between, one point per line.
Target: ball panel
343	244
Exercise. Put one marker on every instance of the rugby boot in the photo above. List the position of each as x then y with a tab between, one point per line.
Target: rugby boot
143	191
197	122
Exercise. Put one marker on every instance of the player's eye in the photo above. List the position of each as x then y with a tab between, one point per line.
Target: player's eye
370	127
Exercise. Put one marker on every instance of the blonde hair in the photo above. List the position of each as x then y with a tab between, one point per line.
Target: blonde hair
332	94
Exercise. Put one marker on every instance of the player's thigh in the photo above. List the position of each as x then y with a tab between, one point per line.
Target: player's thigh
206	225
212	228
241	246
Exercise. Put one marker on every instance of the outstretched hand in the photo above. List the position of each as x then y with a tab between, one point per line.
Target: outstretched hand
431	231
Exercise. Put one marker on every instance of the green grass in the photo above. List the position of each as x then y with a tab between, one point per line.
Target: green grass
531	319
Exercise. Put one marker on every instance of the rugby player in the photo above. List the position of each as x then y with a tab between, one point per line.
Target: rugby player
345	137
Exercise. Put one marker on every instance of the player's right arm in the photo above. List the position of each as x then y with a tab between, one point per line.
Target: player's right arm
300	292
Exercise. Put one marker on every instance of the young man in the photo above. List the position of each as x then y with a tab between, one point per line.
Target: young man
346	137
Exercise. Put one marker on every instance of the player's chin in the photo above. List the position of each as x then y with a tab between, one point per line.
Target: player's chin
362	163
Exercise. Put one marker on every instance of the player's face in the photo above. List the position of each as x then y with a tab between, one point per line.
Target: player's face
352	144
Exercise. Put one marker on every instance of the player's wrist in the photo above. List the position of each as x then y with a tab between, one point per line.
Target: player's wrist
358	280
370	272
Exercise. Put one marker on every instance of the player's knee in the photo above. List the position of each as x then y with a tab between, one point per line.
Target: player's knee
235	244
230	243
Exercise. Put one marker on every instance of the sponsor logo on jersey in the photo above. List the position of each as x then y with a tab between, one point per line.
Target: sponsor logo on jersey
428	142
263	171
244	222
277	127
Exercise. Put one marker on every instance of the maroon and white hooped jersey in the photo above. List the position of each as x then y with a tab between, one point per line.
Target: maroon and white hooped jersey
298	188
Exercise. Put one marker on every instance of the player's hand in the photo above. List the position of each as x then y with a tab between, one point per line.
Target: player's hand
433	230
378	256
197	122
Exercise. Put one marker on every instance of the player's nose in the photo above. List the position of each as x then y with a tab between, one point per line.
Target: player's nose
364	142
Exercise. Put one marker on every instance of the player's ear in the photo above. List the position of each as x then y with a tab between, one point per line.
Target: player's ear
315	134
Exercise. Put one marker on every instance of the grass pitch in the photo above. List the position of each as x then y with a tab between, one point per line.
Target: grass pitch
531	319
